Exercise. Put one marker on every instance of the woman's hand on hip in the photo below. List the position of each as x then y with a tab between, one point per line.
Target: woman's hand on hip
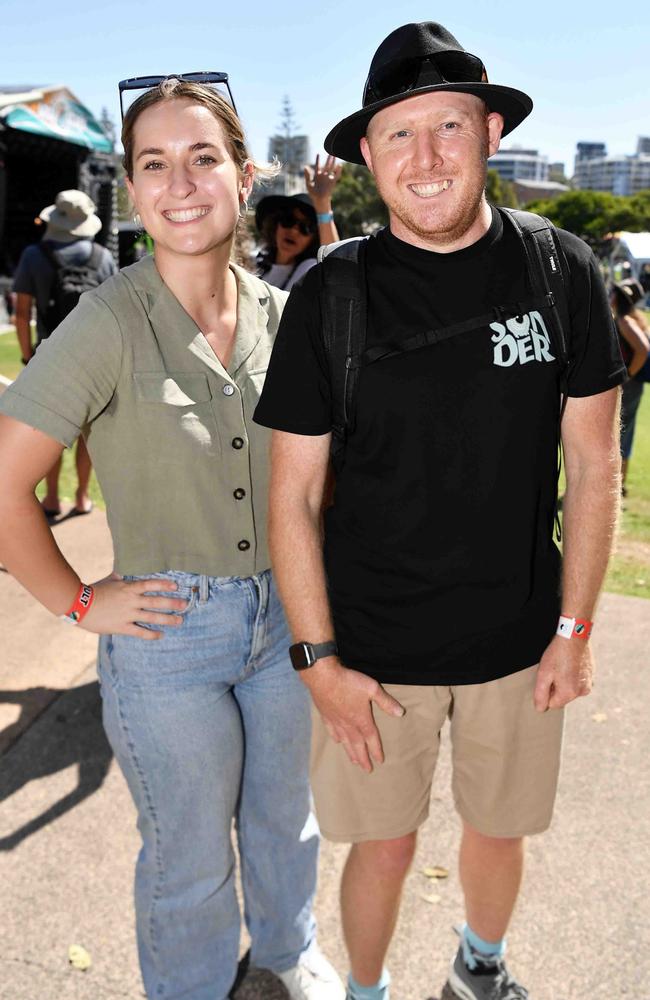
119	604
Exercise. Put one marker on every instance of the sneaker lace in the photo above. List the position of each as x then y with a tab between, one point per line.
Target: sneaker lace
504	987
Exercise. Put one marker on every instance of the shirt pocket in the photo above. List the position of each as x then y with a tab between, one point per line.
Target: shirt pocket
175	410
172	388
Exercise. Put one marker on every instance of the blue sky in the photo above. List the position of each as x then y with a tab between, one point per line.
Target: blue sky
586	68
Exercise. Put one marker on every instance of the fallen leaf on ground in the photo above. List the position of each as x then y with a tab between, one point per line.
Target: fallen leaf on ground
79	958
599	717
436	872
431	899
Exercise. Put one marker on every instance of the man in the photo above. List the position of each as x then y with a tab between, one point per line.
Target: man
68	242
440	578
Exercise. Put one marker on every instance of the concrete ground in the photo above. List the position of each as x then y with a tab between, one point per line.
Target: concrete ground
68	839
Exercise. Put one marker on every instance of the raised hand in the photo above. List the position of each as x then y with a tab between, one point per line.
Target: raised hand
321	181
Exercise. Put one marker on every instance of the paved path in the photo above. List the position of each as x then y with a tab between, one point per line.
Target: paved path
68	841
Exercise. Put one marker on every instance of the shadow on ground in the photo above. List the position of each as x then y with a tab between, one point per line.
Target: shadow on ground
77	738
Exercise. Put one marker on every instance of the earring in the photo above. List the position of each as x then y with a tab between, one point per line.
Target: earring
243	209
137	220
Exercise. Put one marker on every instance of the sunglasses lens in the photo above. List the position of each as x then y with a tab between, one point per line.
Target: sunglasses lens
460	67
396	78
291	222
408	74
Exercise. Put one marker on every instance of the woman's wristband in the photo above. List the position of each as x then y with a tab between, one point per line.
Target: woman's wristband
81	606
324	217
568	627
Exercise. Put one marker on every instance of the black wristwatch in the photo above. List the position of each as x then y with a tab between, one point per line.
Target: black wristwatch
305	654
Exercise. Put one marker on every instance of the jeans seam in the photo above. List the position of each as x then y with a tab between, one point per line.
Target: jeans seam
158	886
260	623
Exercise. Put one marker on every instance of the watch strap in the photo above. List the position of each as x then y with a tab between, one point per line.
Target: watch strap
305	654
323	649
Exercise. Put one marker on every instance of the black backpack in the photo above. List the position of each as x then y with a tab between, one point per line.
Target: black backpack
344	316
69	282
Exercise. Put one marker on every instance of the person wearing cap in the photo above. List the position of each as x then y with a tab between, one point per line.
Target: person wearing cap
293	227
436	593
71	228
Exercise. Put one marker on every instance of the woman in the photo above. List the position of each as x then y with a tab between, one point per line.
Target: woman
634	336
293	227
162	366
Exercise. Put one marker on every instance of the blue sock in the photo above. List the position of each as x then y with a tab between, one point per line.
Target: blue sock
377	992
475	947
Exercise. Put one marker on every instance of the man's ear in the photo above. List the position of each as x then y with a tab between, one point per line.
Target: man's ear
495	128
365	152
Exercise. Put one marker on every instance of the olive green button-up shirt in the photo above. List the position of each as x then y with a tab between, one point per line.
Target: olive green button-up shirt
182	467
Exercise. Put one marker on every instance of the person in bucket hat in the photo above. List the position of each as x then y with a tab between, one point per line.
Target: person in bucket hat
71	217
435	596
68	241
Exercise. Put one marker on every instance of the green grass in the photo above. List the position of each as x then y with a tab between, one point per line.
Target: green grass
10	363
629	569
10	366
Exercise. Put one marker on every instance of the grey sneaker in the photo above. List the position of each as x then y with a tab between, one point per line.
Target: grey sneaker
488	981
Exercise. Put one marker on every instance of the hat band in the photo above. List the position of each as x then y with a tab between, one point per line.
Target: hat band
403	75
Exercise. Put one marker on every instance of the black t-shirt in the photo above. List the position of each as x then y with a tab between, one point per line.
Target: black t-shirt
439	552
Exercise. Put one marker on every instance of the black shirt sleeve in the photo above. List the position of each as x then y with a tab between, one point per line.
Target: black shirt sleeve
595	357
296	395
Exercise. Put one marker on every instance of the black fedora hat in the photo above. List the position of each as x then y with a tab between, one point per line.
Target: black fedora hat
416	59
276	203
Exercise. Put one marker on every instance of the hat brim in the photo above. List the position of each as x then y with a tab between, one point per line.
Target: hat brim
273	203
343	141
57	221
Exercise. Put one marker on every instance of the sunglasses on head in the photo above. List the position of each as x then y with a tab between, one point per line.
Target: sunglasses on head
402	75
148	82
289	221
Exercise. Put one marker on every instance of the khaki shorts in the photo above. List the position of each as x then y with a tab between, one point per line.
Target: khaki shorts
505	758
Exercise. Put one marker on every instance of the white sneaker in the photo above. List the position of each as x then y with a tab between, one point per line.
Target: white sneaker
313	978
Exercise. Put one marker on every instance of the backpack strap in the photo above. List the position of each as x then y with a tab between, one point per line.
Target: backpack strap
93	261
548	273
96	255
344	320
50	255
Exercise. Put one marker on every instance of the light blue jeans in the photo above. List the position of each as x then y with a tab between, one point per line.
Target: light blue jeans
210	724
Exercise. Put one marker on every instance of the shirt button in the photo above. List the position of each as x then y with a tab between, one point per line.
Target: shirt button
228	389
239	493
237	443
243	546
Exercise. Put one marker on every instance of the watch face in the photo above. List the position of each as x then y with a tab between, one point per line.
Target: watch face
302	655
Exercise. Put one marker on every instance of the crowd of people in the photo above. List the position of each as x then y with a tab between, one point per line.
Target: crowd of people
414	369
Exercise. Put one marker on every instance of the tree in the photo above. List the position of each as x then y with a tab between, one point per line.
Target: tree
593	214
358	208
108	126
283	144
498	191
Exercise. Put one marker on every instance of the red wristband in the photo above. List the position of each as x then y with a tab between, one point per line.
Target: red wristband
82	605
579	627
